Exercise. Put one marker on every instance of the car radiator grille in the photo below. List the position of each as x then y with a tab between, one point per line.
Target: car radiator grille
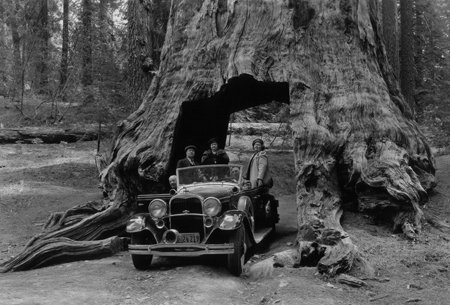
181	205
187	223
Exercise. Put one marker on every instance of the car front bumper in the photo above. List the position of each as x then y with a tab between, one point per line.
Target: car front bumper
185	249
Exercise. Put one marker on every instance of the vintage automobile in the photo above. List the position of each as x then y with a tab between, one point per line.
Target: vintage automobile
210	213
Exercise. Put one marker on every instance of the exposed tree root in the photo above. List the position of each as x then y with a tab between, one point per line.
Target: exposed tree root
62	249
78	233
73	215
435	222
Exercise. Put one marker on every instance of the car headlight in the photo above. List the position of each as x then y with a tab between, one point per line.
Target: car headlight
157	208
212	206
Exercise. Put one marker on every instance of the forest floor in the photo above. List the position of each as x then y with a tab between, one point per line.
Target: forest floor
38	179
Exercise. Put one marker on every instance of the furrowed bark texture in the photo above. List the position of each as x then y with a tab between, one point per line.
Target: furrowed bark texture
354	137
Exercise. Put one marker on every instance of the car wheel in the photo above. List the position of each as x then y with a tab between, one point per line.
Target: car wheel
141	262
236	260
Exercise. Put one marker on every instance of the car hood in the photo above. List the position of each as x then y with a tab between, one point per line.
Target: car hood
211	189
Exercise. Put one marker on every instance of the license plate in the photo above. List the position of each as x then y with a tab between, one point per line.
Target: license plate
189	238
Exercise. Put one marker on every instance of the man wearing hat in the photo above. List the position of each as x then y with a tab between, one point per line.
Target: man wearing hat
214	155
189	160
257	173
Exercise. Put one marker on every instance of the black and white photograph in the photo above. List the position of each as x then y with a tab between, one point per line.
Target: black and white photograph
226	152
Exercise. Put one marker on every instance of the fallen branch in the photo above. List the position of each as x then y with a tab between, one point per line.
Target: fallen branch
48	134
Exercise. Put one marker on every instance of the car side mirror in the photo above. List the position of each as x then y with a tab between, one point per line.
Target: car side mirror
172	192
235	189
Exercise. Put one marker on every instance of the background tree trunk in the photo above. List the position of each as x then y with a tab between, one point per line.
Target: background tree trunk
65	46
3	51
147	22
43	47
407	68
86	48
390	33
17	58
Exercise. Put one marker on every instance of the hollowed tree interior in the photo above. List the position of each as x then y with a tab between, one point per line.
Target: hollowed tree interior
203	119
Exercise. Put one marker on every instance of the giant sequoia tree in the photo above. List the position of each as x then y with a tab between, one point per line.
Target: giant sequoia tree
354	137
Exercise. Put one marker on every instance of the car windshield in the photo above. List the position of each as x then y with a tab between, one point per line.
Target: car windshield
209	173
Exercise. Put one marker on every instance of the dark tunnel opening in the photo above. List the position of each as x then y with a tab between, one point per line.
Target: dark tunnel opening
201	120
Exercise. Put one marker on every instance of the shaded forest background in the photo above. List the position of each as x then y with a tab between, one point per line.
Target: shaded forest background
88	61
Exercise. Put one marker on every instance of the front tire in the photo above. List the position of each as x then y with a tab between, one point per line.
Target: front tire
142	262
236	260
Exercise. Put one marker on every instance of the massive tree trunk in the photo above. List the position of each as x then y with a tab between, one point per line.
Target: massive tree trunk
354	137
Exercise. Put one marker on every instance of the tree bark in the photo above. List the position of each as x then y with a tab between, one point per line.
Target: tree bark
407	67
3	51
65	46
354	135
355	140
86	47
146	31
17	58
390	33
43	49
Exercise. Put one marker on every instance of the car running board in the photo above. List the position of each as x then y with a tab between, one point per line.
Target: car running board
262	233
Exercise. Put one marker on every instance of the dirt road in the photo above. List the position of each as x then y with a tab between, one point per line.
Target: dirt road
38	179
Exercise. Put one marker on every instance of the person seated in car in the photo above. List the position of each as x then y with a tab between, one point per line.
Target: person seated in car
195	176
173	182
214	155
257	172
189	160
235	172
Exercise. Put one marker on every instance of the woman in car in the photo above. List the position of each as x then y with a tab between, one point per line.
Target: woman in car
214	155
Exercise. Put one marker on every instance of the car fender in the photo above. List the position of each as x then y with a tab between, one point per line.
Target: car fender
139	223
232	220
245	204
